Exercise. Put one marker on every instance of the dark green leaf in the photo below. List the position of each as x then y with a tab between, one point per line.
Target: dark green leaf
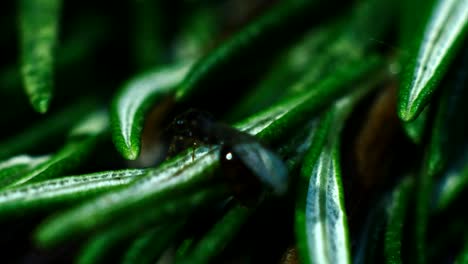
397	209
213	243
150	245
39	25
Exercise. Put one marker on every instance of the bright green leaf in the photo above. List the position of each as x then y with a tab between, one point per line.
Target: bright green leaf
135	100
66	190
443	33
397	208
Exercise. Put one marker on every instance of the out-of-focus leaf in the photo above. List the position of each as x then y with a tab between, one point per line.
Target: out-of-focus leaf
432	49
134	101
320	215
147	39
197	34
454	181
39	21
396	209
447	146
416	128
371	234
213	242
18	165
87	34
252	41
42	133
317	55
52	193
103	243
150	245
83	139
462	257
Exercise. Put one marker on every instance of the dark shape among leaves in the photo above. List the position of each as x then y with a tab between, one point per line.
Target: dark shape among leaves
245	161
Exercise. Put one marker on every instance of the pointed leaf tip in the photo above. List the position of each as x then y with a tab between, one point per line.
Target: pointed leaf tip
41	103
440	39
132	153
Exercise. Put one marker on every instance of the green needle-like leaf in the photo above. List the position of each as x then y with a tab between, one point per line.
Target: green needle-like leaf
103	243
18	165
150	245
327	234
39	25
397	207
67	190
213	243
135	100
42	133
436	46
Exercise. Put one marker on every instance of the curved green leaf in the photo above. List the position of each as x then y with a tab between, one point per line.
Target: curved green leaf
135	100
103	243
371	234
197	34
51	193
451	186
447	145
447	152
443	33
462	257
448	138
289	68
39	25
397	207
